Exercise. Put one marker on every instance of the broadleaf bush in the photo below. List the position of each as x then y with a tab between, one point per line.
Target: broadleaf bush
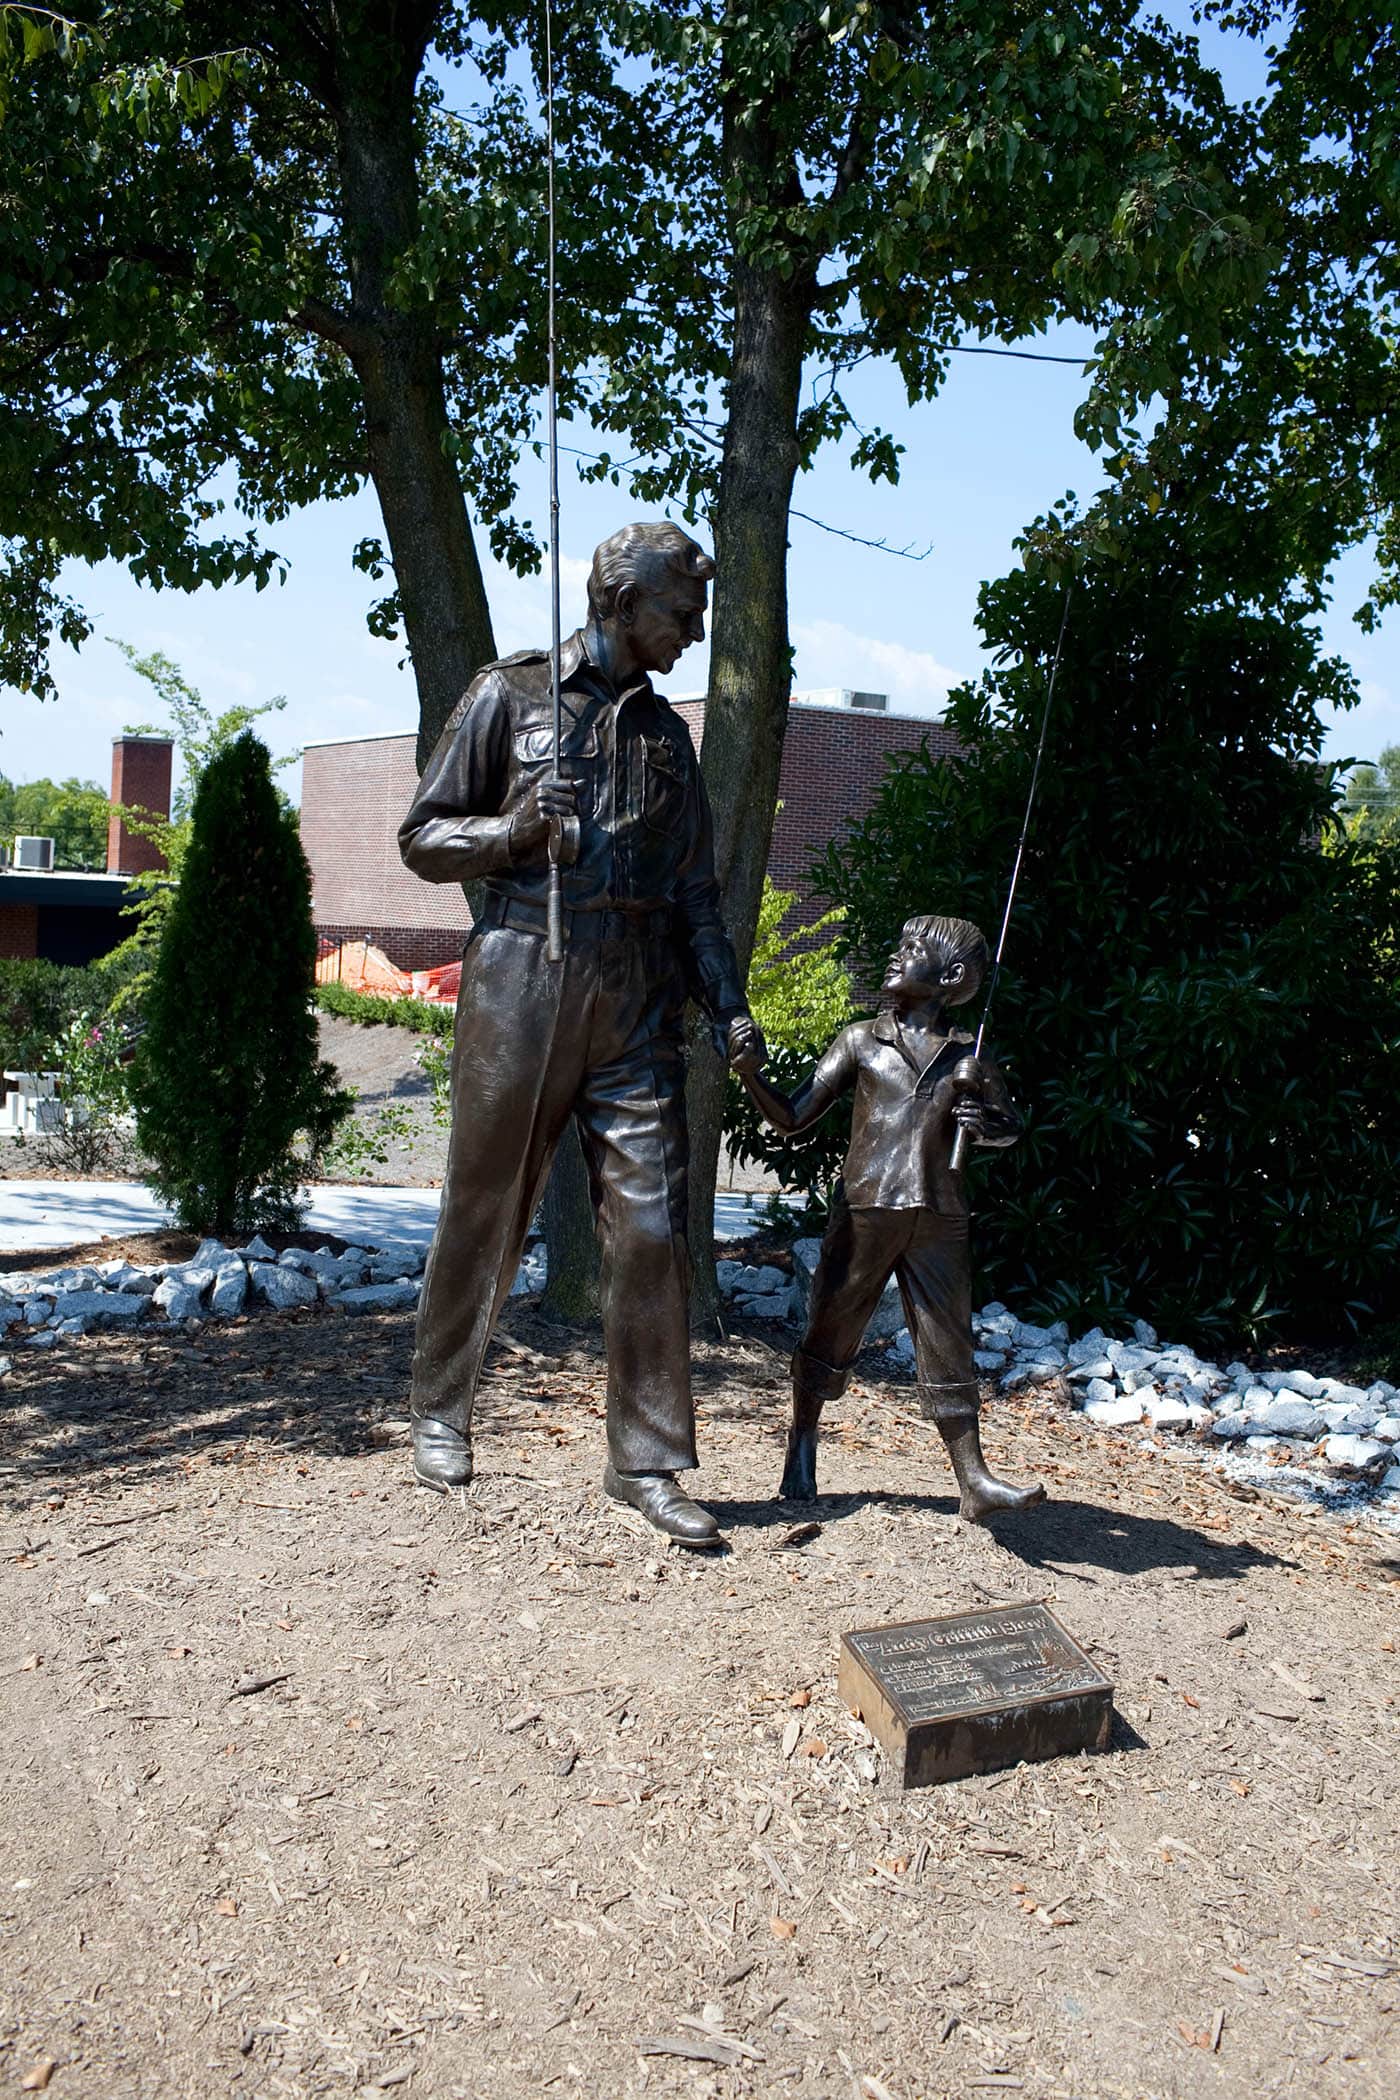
1199	1013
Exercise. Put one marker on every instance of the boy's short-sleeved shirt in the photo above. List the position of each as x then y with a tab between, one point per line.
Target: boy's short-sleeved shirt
902	1124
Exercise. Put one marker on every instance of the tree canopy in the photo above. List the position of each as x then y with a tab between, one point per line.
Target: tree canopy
73	813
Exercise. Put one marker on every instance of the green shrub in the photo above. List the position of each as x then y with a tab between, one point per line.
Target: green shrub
39	1003
233	1105
1197	1015
800	995
373	1009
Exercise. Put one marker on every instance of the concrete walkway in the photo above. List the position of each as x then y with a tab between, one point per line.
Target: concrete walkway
35	1215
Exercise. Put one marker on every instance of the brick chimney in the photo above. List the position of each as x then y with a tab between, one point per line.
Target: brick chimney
141	767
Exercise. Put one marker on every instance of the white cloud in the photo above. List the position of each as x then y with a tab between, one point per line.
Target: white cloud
830	654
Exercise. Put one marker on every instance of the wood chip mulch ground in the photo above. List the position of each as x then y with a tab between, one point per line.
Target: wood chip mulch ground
318	1784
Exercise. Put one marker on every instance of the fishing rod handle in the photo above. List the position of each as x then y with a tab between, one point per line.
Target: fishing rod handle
554	904
966	1082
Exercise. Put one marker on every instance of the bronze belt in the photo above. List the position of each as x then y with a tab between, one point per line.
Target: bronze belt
520	916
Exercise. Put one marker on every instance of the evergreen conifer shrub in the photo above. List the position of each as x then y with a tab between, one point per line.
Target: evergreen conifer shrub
1199	1012
233	1103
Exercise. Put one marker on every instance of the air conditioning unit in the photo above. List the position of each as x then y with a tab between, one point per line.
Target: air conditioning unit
34	854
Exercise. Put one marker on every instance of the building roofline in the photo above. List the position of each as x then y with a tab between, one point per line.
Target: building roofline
62	886
808	707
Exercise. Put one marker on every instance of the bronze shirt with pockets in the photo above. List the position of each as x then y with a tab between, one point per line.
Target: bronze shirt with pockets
645	832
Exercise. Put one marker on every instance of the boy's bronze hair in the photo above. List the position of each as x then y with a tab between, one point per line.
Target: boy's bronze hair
952	941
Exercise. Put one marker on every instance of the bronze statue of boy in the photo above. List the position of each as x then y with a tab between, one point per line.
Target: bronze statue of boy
900	1208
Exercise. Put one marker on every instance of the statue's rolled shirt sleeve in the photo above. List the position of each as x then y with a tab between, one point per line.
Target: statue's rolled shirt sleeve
714	972
456	830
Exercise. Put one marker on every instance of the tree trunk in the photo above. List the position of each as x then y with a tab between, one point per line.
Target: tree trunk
571	1291
750	673
397	358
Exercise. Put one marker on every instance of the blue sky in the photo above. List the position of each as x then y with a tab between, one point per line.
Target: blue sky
991	452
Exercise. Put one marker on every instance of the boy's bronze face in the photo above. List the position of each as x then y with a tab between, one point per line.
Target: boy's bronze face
917	976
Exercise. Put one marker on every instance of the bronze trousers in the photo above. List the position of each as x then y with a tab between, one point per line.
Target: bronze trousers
599	1037
926	1252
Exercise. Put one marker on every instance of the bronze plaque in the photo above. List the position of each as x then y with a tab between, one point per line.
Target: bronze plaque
972	1692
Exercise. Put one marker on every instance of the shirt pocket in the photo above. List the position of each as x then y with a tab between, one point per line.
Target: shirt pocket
534	760
665	787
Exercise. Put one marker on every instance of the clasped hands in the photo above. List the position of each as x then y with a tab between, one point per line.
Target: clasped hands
744	1046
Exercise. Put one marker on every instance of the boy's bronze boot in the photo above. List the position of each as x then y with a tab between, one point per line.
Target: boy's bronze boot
954	1409
813	1384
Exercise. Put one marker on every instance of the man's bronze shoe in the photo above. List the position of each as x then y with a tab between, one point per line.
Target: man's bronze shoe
665	1506
442	1456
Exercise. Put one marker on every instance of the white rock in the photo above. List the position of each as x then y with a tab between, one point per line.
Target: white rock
322	1263
398	1259
1256	1398
1288	1415
988	1360
1388	1429
98	1308
1234	1425
1390	1481
996	1311
1099	1391
1128	1356
1146	1335
1353	1454
45	1340
771	1305
1033	1370
1350	1421
73	1326
10	1309
73	1279
281	1288
1384	1395
7	1363
1088	1348
1115	1413
378	1297
725	1273
902	1347
1095	1367
1139	1381
257	1249
1300	1382
1040	1340
1239	1374
230	1291
1345	1395
756	1282
37	1310
178	1301
210	1254
1170	1411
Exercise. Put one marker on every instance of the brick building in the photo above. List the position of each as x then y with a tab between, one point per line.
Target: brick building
68	915
355	794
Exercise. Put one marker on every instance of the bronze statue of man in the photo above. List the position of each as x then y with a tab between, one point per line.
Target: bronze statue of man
598	1036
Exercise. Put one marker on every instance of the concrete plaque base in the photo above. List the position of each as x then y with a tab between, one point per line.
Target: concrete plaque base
975	1691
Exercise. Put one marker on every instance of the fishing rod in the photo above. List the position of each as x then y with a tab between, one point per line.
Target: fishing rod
965	1079
554	936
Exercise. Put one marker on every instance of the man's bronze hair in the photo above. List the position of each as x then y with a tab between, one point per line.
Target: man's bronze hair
643	554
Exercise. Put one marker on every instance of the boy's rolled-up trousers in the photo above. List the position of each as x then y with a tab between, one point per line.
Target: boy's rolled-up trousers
926	1252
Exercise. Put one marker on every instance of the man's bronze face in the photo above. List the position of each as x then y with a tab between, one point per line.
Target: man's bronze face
663	619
